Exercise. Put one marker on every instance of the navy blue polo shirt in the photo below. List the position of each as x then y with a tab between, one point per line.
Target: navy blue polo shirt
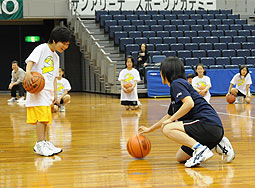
202	110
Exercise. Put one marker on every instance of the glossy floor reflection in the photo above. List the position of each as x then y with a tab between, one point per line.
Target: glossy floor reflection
93	133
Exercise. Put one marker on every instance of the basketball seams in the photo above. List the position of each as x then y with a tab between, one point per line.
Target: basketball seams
38	83
141	149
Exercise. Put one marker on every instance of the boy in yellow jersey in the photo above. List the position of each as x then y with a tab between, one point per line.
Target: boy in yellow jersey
45	60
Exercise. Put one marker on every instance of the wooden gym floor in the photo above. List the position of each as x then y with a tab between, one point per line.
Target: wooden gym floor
93	133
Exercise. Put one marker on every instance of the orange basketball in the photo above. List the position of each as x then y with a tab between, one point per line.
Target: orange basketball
127	85
230	99
138	146
37	85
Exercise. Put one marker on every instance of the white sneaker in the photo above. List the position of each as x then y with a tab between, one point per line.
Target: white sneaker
42	148
13	99
53	148
21	100
139	104
202	153
225	148
62	108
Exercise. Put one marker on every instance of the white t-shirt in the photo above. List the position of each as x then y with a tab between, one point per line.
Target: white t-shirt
62	85
241	82
46	63
129	76
205	81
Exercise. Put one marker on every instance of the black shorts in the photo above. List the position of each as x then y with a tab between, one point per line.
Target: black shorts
61	101
241	94
208	135
129	103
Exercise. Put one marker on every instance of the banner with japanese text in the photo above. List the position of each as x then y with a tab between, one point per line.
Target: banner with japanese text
11	9
88	7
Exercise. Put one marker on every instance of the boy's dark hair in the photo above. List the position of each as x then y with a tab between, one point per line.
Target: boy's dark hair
15	62
172	68
60	34
200	64
190	75
132	59
242	67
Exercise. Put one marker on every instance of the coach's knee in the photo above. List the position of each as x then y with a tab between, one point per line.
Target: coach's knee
167	130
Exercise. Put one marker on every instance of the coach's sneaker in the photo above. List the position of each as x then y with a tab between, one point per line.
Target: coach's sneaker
53	148
225	148
13	99
62	108
202	153
21	100
42	148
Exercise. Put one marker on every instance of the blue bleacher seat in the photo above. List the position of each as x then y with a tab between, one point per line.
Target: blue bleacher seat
243	53
141	40
205	46
195	16
190	33
228	53
191	61
200	11
169	53
207	60
107	23
222	60
176	46
209	27
189	22
134	34
114	12
227	21
158	58
164	12
131	48
103	18
217	33
187	66
196	27
202	22
135	56
119	17
252	52
176	34
142	28
137	22
239	39
112	29
177	22
250	60
233	16
215	22
252	32
98	13
129	28
189	12
213	11
183	40
162	34
250	65
150	22
191	46
182	16
211	39
127	12
157	17
237	60
235	27
177	12
198	39
231	66
248	27
234	45
150	47
213	53
244	33
164	22
220	46
149	34
248	45
183	53
161	47
156	28
231	33
152	53
169	40
223	27
118	35
203	33
140	12
155	40
198	53
225	39
220	16
216	67
182	27
152	12
124	42
208	16
144	17
240	21
170	17
223	11
169	28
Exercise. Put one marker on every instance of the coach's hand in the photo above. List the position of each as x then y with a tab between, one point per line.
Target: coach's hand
143	129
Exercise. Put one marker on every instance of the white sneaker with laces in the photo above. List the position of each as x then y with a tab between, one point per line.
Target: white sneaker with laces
62	108
42	148
53	148
202	153
21	100
13	99
225	148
